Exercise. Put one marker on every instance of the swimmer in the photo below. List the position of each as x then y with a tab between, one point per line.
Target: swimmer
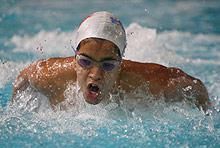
99	69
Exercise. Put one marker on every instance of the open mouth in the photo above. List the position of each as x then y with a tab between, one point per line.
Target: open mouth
93	91
93	88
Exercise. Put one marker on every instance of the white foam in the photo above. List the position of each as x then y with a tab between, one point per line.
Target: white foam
143	40
144	44
187	41
9	71
46	43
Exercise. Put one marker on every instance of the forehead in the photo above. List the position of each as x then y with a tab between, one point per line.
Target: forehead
98	48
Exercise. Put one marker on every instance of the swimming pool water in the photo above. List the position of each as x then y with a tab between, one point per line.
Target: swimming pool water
185	34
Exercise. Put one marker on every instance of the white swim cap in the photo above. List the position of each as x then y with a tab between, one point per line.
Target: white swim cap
102	25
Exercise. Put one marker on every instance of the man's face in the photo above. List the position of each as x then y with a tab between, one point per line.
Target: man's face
95	81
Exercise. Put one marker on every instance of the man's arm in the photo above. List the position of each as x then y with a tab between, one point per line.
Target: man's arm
21	83
48	77
181	86
172	82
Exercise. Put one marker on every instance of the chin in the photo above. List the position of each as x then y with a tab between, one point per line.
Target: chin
92	101
93	94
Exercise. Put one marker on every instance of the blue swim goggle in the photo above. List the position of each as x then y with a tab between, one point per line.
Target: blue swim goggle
87	62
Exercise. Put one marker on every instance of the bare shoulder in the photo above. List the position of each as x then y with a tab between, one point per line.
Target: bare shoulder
153	72
128	65
173	82
182	86
55	68
134	74
47	76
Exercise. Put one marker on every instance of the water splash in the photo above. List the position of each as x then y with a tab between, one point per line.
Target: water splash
135	123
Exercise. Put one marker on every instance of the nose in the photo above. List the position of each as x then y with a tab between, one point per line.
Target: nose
96	73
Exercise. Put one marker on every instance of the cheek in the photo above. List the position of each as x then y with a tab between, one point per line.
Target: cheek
81	75
111	78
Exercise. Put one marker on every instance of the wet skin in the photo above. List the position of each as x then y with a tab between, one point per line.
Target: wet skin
105	81
51	77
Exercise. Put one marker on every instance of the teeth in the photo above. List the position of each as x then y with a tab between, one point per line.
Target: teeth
94	92
93	87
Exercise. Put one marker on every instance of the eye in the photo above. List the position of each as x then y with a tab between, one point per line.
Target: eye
108	66
84	62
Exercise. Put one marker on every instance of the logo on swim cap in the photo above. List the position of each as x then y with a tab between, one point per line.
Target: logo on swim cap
102	25
115	21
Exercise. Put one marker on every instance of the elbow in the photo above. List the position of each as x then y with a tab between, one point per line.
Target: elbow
202	100
21	83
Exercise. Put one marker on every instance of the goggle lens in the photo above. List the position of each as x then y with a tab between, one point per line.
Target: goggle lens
86	62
